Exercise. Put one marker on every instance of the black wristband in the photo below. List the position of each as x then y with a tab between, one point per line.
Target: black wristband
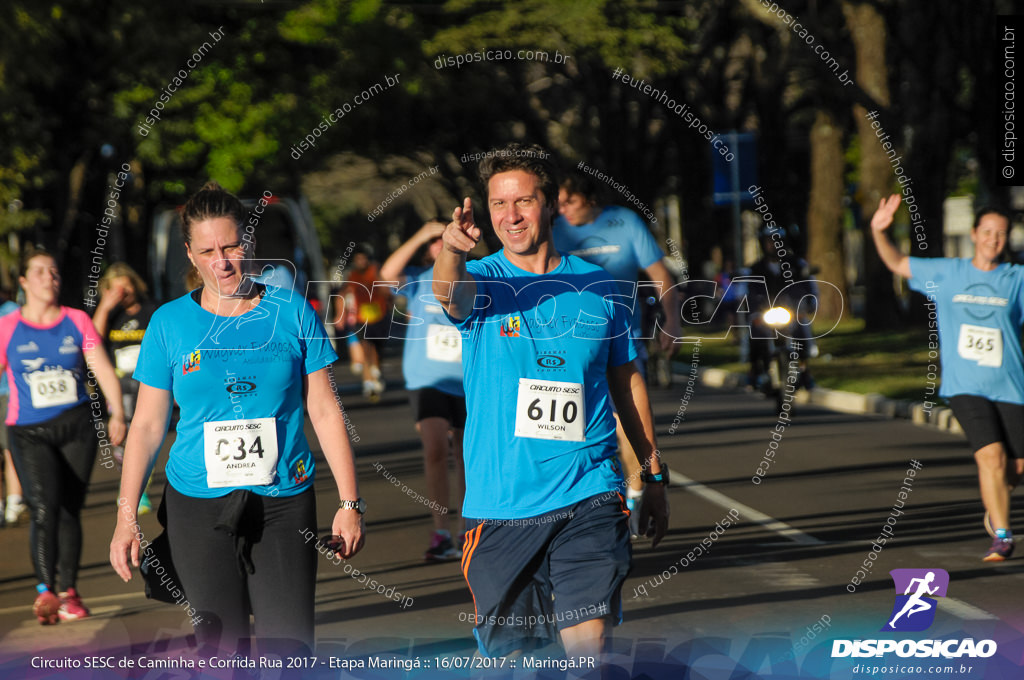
656	478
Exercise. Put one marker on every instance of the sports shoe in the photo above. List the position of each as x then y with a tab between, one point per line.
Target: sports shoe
71	606
46	607
15	510
372	390
441	548
1001	550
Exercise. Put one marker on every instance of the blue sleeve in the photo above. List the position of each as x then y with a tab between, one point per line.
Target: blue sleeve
621	350
154	367
319	352
1018	269
646	248
410	287
926	269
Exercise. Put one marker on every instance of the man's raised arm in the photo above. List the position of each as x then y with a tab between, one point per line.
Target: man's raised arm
453	286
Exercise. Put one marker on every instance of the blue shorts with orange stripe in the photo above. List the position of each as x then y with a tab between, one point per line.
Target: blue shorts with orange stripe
532	577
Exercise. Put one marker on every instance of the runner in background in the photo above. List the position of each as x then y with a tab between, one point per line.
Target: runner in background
343	326
980	307
121	319
617	240
15	505
432	366
372	311
51	353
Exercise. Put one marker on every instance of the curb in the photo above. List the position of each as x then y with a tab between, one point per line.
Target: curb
939	417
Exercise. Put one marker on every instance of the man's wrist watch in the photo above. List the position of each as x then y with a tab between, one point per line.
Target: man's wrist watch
659	478
359	505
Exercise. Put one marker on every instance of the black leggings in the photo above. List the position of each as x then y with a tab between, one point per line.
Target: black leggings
54	461
281	589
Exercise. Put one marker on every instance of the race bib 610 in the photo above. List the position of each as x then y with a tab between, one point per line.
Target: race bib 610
547	409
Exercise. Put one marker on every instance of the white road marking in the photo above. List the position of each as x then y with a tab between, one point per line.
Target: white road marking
746	512
963	610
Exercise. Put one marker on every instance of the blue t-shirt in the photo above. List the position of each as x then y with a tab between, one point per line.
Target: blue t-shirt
619	242
6	308
45	364
432	354
561	327
236	368
979	320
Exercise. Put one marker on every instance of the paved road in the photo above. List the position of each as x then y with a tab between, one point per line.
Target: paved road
767	596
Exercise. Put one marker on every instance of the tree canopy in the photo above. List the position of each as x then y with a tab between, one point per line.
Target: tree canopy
78	81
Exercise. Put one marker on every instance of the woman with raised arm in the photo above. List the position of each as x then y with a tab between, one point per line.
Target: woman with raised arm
980	306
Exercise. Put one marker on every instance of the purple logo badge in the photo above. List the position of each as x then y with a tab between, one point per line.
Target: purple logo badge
915	607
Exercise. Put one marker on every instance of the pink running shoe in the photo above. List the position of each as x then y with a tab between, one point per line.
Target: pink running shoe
441	548
1001	550
46	607
71	606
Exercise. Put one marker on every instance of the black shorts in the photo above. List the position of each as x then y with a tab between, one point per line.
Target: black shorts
986	422
376	333
431	403
533	577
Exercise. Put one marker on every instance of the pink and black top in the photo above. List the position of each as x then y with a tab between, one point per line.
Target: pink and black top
45	365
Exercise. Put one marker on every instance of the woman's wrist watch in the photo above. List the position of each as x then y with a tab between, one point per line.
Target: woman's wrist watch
359	505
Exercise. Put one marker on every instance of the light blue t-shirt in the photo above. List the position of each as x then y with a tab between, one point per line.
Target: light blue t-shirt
979	320
619	242
432	354
563	327
236	368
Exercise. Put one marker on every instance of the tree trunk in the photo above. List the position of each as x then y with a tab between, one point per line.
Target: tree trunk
76	188
825	215
869	34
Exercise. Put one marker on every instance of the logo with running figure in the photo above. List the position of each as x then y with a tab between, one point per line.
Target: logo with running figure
914	610
509	327
190	362
300	472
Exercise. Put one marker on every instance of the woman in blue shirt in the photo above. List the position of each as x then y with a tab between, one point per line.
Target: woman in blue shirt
979	303
244	362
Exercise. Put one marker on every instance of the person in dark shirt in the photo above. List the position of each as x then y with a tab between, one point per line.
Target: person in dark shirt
121	318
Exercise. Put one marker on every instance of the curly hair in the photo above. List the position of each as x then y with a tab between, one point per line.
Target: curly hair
530	158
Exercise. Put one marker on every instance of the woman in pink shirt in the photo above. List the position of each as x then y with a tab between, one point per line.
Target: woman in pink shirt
51	353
